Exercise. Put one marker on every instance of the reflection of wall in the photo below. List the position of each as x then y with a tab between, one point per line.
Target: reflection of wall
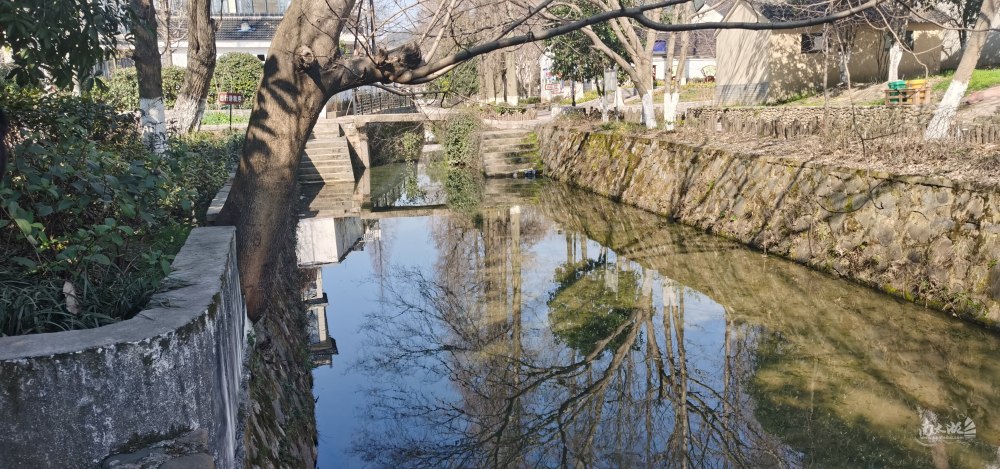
326	240
930	238
900	356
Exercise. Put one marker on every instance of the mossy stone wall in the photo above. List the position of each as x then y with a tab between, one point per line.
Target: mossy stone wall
926	239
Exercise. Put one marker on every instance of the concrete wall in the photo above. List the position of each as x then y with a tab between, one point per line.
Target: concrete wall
71	398
920	238
753	70
743	73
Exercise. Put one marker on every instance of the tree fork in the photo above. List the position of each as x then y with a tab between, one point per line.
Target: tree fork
303	71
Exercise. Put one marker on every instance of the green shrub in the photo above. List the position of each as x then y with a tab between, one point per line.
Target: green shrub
121	90
237	72
464	182
205	161
88	206
460	140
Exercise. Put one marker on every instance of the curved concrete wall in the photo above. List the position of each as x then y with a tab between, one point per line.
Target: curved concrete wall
916	237
69	399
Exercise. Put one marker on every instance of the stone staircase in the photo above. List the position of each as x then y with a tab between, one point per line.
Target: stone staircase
335	199
326	158
508	153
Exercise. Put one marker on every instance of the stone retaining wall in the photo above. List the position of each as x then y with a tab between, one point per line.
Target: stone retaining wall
921	238
71	398
850	123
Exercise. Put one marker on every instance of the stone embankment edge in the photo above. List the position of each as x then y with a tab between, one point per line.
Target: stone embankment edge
926	239
71	398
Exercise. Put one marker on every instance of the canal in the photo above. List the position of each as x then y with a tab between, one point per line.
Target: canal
549	327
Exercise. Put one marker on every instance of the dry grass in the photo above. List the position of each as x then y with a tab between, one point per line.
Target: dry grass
900	155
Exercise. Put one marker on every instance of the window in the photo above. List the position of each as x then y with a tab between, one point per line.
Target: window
908	40
813	42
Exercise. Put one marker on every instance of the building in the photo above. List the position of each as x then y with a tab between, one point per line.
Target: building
701	62
756	67
244	26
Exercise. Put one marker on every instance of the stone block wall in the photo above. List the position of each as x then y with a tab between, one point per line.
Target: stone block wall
924	239
69	399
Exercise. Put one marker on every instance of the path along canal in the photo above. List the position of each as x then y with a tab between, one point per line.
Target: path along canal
550	328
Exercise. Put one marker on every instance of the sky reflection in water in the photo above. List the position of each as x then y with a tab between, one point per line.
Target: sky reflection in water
574	332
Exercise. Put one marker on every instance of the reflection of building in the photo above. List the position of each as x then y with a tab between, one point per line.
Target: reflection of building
326	240
322	347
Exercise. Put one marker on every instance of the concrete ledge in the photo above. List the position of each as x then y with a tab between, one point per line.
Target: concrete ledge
220	200
71	398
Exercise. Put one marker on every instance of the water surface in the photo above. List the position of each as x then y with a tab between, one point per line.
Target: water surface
554	328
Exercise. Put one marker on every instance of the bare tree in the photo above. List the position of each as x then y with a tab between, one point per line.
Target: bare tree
201	49
305	69
944	115
171	20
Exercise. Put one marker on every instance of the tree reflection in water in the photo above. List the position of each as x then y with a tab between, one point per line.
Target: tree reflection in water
609	383
616	358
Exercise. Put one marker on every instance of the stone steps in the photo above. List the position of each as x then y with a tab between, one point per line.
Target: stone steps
507	153
494	147
326	158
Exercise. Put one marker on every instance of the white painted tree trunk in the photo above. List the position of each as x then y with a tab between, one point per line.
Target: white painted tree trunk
154	123
895	57
604	106
187	114
648	110
941	122
947	109
670	102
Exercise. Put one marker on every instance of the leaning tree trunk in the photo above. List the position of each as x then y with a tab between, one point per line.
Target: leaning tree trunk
303	70
945	113
673	89
147	65
200	67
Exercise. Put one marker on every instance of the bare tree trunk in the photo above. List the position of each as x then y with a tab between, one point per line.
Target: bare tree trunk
303	71
895	57
147	64
512	97
670	113
200	66
486	73
945	113
163	21
668	71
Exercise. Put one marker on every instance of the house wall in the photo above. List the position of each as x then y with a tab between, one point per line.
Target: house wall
744	72
794	73
692	71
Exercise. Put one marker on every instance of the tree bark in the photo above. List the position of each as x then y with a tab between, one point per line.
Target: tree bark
512	95
147	65
303	70
200	66
945	113
895	57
